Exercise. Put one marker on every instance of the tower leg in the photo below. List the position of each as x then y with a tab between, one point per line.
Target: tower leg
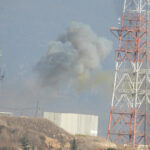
134	128
109	125
131	120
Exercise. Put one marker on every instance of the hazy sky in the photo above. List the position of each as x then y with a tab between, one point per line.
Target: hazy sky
26	28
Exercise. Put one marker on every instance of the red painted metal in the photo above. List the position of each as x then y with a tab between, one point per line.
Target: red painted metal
128	125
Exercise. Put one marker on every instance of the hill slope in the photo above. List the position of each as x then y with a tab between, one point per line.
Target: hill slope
41	134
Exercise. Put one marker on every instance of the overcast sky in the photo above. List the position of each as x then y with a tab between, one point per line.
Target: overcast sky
26	28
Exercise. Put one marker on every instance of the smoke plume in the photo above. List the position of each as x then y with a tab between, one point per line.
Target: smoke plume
77	51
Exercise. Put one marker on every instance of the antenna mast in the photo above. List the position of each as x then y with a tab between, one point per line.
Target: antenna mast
129	121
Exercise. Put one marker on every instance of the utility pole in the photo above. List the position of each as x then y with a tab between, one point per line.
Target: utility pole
37	112
1	71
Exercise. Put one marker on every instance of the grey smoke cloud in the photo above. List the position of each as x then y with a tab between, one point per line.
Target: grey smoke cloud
77	51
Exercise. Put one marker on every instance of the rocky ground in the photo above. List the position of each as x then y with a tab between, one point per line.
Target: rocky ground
41	134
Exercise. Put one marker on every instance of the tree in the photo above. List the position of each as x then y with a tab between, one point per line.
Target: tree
111	149
32	147
74	145
49	146
25	143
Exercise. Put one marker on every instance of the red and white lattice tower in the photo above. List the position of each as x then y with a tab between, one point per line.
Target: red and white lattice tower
129	121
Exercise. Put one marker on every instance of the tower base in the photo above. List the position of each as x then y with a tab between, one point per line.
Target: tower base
129	127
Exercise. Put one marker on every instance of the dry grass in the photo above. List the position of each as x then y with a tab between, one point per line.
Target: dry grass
36	130
41	133
93	143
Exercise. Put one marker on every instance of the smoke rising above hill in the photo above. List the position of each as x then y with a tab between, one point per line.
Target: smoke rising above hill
77	51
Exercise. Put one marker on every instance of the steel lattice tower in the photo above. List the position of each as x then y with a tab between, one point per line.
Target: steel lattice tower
129	121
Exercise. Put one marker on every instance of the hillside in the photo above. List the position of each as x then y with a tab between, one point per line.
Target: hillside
41	134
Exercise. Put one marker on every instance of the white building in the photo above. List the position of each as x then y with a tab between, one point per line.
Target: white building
6	113
75	123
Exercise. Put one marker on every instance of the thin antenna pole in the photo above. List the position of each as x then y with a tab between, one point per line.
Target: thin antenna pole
37	112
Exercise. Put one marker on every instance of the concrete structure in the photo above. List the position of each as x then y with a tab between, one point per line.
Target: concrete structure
75	123
6	113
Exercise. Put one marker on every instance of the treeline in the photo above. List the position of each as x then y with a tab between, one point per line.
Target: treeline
26	146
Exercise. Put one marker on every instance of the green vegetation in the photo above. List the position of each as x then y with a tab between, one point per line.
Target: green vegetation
74	145
25	143
111	149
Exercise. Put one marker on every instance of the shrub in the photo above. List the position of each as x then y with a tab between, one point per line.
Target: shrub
73	145
25	143
111	149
